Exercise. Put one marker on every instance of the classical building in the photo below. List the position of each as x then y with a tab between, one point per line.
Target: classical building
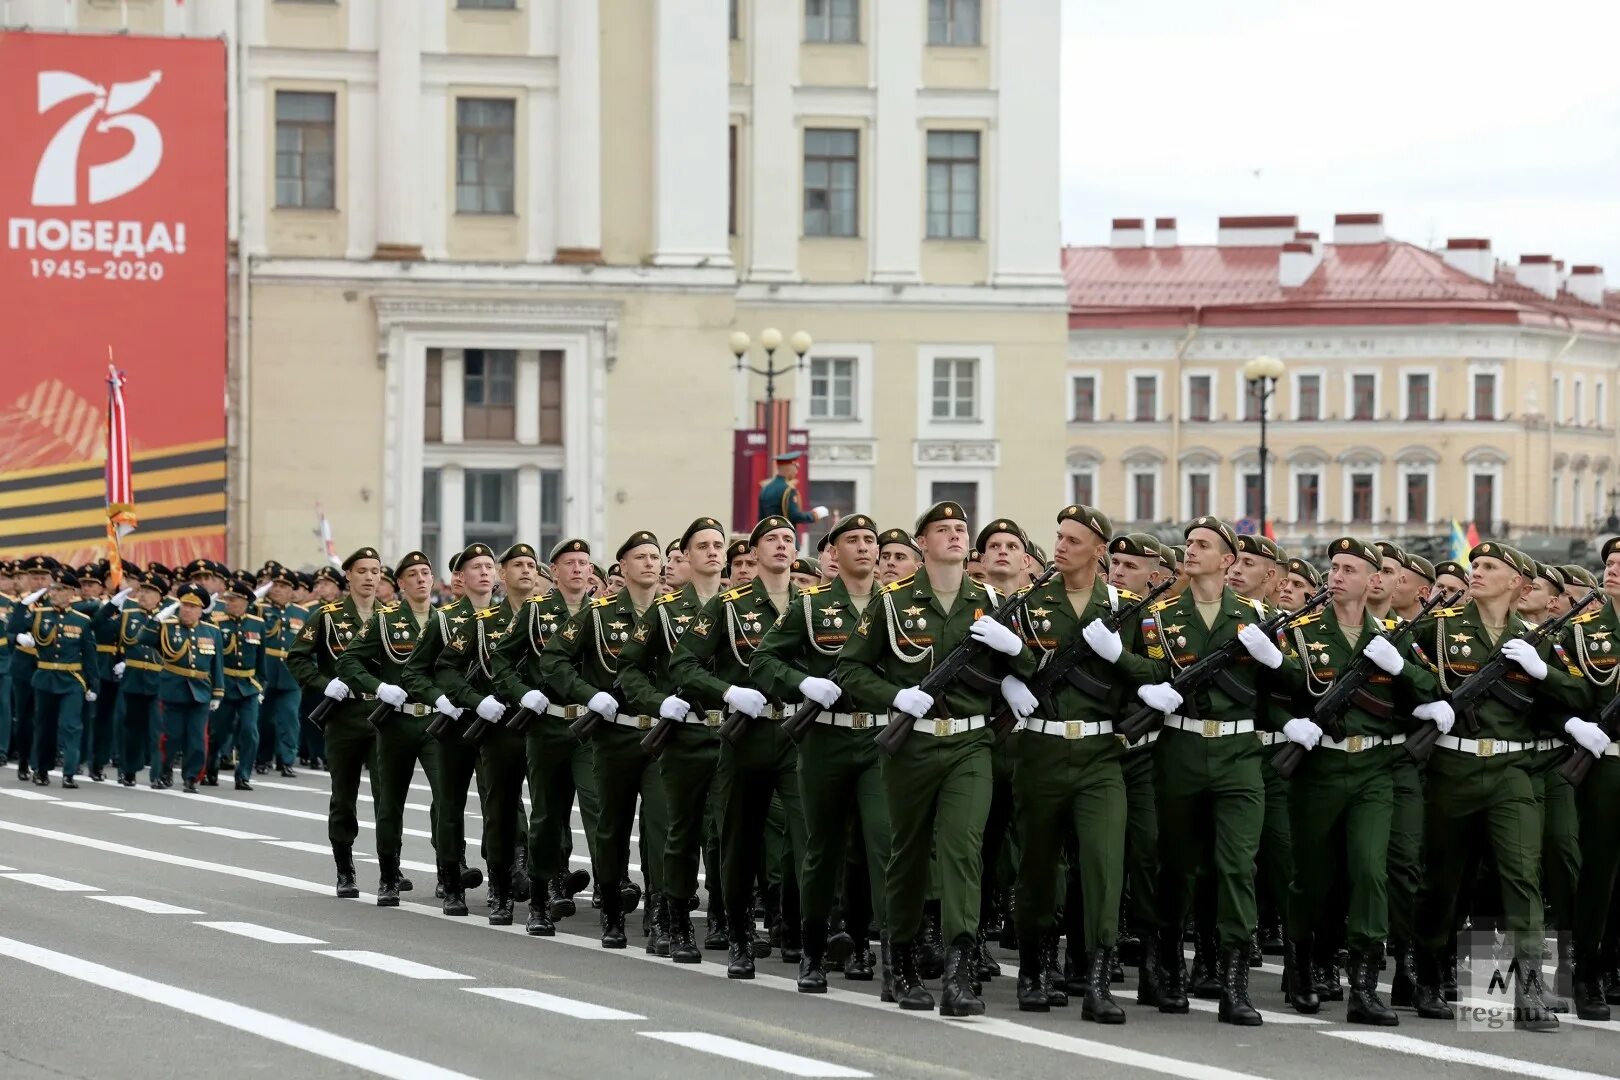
1417	386
490	253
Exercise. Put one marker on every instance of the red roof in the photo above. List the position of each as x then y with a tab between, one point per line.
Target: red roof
1356	284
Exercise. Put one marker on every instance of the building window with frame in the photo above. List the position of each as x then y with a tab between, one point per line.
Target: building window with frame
488	5
1557	411
1417	396
965	493
1308	497
835	493
1253	398
1198	395
953	185
1578	403
430	518
1417	498
1363	397
1083	487
1251	497
1308	405
306	150
1145	398
1198	494
433	397
833	22
1361	498
1145	496
831	176
485	155
551	509
1484	389
832	392
953	22
490	509
731	186
956	388
1483	502
489	394
551	397
1083	399
1599	413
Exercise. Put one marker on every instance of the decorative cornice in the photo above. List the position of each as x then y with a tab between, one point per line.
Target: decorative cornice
843	451
957	452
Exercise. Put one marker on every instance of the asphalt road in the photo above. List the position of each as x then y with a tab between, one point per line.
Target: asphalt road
150	934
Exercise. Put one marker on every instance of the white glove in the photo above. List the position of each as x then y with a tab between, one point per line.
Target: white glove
1020	699
673	708
213	706
1160	696
913	702
118	670
263	590
447	707
337	690
1521	652
26	640
603	704
89	695
1302	731
393	695
491	708
992	635
1385	655
534	701
1588	734
120	596
33	597
823	692
168	611
820	512
746	700
1261	647
1103	641
1439	712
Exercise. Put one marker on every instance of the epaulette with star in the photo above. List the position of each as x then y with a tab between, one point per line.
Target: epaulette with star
1305	620
1445	613
896	586
388	608
1391	623
1159	605
486	613
333	608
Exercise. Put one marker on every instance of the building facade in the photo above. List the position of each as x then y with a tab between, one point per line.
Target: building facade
1418	387
489	254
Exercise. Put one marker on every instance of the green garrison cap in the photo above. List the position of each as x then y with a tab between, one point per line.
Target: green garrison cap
1420	566
941	511
412	558
804	565
1579	576
635	540
768	524
1552	576
1610	545
1140	545
1495	549
475	551
1387	550
1452	567
702	524
518	551
362	553
1090	517
1000	525
852	523
1305	570
564	547
897	536
1349	545
1227	534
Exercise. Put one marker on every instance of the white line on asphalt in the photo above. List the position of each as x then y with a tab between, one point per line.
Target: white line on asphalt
5	869
76	804
154	819
268	934
46	881
283	811
792	1064
229	834
1270	1016
1456	1055
23	793
302	845
141	903
373	1059
394	965
579	1010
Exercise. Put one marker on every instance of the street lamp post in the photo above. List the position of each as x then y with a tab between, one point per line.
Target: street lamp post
771	339
1262	374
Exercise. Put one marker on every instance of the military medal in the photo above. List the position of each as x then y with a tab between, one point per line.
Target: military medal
922	624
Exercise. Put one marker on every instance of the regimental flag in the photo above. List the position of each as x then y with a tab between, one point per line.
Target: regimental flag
323	529
121	520
1462	542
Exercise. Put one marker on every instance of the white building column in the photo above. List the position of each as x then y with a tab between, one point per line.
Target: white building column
399	174
452	406
452	512
528	504
577	152
1025	238
526	403
44	14
896	141
213	20
775	147
691	99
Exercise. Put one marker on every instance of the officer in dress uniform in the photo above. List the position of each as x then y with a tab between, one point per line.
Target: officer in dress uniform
236	722
66	660
192	681
139	671
8	603
780	498
283	622
35	578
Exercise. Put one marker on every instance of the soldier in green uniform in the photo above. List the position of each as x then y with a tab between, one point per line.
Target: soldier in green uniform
1480	780
65	658
34	576
1451	576
838	762
100	744
8	603
898	556
780	498
236	720
938	782
349	740
283	622
137	672
192	682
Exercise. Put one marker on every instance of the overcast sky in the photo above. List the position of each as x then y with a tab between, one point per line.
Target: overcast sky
1487	118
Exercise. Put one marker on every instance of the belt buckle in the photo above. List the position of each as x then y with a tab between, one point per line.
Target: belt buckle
570	712
1353	744
1487	747
711	718
1212	729
857	721
643	722
1073	729
942	727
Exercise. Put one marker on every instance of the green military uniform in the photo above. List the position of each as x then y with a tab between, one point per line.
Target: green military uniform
137	693
502	755
65	649
282	625
236	720
23	659
191	683
8	604
100	741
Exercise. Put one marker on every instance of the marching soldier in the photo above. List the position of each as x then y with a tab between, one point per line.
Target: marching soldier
34	581
1451	576
8	603
65	659
283	622
192	682
99	742
236	720
137	673
898	556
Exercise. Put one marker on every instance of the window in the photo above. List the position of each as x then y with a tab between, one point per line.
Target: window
305	150
491	507
1198	494
1361	497
953	22
832	390
1417	397
1577	404
551	509
831	168
484	155
488	394
1484	395
1599	413
1417	498
1251	497
1484	502
731	188
1145	398
953	185
1083	487
837	494
1145	496
1308	497
955	389
1254	398
1083	398
551	398
430	517
1198	393
433	397
963	492
488	5
736	32
1557	500
1558	399
1308	403
1363	397
835	21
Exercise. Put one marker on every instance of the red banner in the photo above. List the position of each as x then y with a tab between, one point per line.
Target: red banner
113	211
751	468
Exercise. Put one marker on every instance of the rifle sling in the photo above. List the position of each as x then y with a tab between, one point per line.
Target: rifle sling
1365	700
1087	684
1510	697
1229	685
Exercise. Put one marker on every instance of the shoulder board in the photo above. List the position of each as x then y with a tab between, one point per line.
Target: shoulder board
1160	605
333	608
1022	589
386	608
1305	620
604	601
814	589
903	583
1252	603
668	598
737	594
486	612
1128	596
1528	625
1445	613
1392	623
1588	616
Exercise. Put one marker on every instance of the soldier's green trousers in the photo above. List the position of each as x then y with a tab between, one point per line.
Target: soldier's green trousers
234	724
1599	802
1063	784
1212	805
621	773
1141	837
559	767
761	763
841	787
687	771
1405	847
1341	805
402	743
350	742
1276	858
938	789
1560	839
1491	800
502	761
458	765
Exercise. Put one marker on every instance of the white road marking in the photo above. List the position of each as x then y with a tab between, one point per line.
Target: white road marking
229	834
24	793
302	845
394	965
1456	1055
55	884
1270	1016
76	804
268	934
154	819
737	1050
283	811
141	903
279	1029
579	1010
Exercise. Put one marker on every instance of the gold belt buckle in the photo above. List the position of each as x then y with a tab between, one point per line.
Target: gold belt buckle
1073	729
857	721
1487	747
643	722
711	719
942	728
1212	729
1353	744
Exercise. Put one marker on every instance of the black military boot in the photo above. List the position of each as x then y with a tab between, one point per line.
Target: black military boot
1009	926
841	945
1325	971
500	895
211	777
1116	969
613	928
1556	997
1587	989
985	966
858	968
1235	1007
471	877
455	898
1128	945
343	856
931	946
558	904
1076	978
886	963
1032	990
792	942
1099	1004
520	874
1427	996
740	958
1610	980
715	937
1172	984
1363	1005
683	948
539	922
1256	957
658	941
959	998
629	896
1149	974
812	965
1300	984
1530	1011
1056	996
1401	986
908	989
1448	980
388	881
1206	980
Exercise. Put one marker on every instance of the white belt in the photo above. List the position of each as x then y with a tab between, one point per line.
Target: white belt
856	721
1271	738
1147	740
1069	729
1483	747
1355	744
639	721
709	718
1612	750
410	708
1549	744
944	727
565	712
1209	729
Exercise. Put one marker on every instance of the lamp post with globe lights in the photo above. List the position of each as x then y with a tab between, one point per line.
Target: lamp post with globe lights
770	339
1262	374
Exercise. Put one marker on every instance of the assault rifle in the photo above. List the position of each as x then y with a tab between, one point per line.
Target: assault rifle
323	709
585	726
1065	663
378	714
1206	669
796	725
654	741
934	684
1466	696
1349	688
1579	762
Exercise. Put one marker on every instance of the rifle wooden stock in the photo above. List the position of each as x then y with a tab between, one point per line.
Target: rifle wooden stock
654	741
733	725
320	714
378	714
585	726
796	725
1580	760
521	720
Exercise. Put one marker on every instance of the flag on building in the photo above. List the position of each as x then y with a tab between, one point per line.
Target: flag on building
121	520
323	529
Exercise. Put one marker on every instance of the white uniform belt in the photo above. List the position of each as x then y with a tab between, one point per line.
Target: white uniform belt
704	718
1209	729
1355	744
1270	738
1482	747
639	721
1147	740
954	725
1612	750
566	712
1549	744
1069	729
411	708
855	721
